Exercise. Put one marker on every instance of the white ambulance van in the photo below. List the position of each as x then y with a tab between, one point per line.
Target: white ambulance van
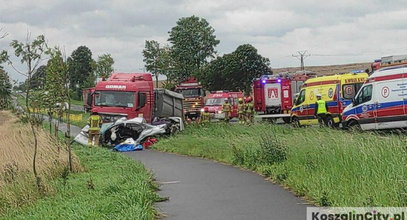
381	103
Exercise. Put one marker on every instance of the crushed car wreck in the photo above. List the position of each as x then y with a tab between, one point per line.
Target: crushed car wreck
137	129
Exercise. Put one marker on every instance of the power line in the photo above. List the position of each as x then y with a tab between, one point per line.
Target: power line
301	56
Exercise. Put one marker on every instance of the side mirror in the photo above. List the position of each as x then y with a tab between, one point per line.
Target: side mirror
89	99
142	99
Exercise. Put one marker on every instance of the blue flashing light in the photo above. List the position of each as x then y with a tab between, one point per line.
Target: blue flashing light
264	81
279	80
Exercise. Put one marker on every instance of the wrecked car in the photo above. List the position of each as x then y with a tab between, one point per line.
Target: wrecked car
112	134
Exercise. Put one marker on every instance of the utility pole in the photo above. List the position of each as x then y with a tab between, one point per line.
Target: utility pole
301	56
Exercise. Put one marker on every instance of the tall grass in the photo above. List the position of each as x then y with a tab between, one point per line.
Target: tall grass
112	186
329	167
17	183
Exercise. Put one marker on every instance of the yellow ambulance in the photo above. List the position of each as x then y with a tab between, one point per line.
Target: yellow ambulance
338	92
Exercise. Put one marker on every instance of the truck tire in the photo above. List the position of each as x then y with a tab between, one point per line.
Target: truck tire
354	126
295	122
287	120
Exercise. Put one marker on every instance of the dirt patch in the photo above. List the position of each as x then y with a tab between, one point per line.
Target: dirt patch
4	116
326	70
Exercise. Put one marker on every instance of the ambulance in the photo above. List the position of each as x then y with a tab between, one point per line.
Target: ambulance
337	90
382	101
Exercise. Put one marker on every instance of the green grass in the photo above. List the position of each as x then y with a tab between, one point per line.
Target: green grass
112	186
328	167
76	102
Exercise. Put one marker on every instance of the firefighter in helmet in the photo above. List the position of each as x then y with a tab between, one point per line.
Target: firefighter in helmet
241	108
226	109
205	116
95	122
249	109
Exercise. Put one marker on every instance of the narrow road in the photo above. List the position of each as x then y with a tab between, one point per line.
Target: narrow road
202	189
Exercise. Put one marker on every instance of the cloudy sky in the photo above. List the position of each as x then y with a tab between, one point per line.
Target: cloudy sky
333	31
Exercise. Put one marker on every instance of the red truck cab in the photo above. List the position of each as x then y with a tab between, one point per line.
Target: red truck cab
215	101
132	95
127	95
194	95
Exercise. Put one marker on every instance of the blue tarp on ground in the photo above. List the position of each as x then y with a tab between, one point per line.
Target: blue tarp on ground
128	147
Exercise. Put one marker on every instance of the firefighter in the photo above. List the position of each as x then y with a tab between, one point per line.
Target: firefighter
321	110
226	109
241	108
249	110
205	116
95	122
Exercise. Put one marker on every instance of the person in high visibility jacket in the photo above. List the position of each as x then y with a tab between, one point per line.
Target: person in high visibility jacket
205	116
241	108
226	109
321	110
95	122
249	112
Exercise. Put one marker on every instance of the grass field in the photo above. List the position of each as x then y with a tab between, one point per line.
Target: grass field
106	184
328	167
112	187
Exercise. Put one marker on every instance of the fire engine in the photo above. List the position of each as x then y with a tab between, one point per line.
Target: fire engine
216	99
381	103
194	95
274	95
132	95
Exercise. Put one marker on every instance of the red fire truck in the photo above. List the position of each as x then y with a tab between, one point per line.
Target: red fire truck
194	95
132	95
215	100
274	95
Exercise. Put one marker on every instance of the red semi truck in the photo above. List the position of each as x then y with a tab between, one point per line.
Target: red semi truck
194	96
132	95
274	95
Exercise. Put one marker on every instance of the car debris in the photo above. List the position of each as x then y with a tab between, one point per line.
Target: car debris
112	134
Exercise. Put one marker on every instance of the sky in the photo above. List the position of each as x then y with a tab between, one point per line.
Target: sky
332	31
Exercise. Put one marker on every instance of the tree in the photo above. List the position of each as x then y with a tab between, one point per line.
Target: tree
193	43
235	71
39	78
80	70
5	90
57	87
104	66
157	60
30	54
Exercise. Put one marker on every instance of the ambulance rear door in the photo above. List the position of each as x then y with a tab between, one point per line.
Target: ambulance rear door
272	94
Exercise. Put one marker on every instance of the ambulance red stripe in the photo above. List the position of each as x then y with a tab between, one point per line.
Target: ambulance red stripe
323	83
389	77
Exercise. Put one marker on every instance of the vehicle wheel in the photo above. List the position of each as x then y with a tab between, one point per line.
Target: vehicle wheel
353	126
287	120
295	122
330	122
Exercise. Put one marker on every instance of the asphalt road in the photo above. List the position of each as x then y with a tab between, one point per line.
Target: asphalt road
202	189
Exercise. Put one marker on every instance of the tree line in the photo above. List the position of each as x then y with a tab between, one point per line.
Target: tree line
190	51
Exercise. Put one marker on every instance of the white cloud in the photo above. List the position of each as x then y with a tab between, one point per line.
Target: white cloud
332	31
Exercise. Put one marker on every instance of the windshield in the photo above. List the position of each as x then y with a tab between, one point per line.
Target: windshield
218	101
114	98
364	95
301	97
188	93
